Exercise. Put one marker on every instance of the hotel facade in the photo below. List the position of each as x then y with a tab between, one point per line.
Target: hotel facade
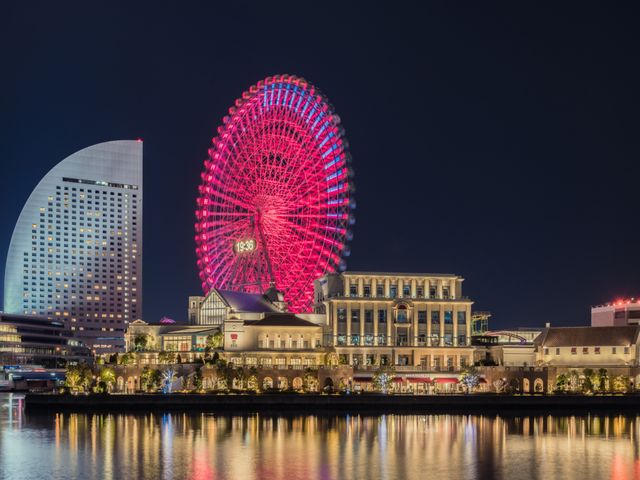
76	250
412	320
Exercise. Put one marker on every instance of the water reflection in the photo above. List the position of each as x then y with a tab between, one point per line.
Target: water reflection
200	446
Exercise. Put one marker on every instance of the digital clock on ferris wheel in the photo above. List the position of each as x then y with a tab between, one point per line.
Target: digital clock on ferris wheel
245	246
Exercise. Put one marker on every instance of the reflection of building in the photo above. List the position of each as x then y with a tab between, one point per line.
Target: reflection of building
26	339
76	250
625	312
405	319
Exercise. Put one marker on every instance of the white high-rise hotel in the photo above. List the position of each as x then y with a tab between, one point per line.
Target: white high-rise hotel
76	250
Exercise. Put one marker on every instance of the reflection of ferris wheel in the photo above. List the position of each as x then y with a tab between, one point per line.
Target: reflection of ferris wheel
276	195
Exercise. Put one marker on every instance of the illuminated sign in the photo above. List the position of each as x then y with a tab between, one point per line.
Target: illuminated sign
245	246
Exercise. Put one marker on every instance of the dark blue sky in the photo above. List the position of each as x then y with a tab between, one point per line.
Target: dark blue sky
497	142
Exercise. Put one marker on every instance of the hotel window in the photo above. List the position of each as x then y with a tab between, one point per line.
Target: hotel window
342	315
432	290
420	292
445	292
462	318
585	350
546	351
379	290
294	344
393	291
368	316
367	290
574	350
422	317
353	290
626	350
557	351
406	291
355	316
596	350
448	317
613	350
382	316
435	317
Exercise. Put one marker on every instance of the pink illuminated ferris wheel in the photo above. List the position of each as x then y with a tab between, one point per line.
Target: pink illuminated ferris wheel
276	196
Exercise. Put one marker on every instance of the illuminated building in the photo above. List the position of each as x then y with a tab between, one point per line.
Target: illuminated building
76	250
619	313
413	321
27	339
217	305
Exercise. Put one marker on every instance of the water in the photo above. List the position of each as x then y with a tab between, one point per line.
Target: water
201	446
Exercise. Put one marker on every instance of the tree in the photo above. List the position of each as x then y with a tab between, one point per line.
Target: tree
470	378
140	342
197	379
150	379
168	378
561	382
167	357
621	384
128	358
383	378
310	380
108	376
215	341
603	379
78	378
587	382
499	385
574	380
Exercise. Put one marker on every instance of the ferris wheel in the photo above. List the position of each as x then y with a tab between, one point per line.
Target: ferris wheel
276	197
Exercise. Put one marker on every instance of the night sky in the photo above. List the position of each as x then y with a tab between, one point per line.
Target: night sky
497	143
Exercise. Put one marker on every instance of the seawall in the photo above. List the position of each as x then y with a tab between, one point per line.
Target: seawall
316	403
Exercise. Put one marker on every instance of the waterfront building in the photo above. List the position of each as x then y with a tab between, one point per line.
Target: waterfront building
32	340
148	340
403	319
76	250
619	313
593	347
218	305
278	340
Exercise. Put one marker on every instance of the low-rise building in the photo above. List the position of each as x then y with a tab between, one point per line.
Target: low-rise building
29	339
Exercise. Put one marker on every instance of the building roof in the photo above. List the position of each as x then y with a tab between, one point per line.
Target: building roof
281	320
246	302
587	336
403	274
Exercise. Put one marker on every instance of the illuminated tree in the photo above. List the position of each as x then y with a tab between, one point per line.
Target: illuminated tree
168	379
561	382
603	379
470	378
310	380
383	378
128	358
140	342
108	377
167	357
150	379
